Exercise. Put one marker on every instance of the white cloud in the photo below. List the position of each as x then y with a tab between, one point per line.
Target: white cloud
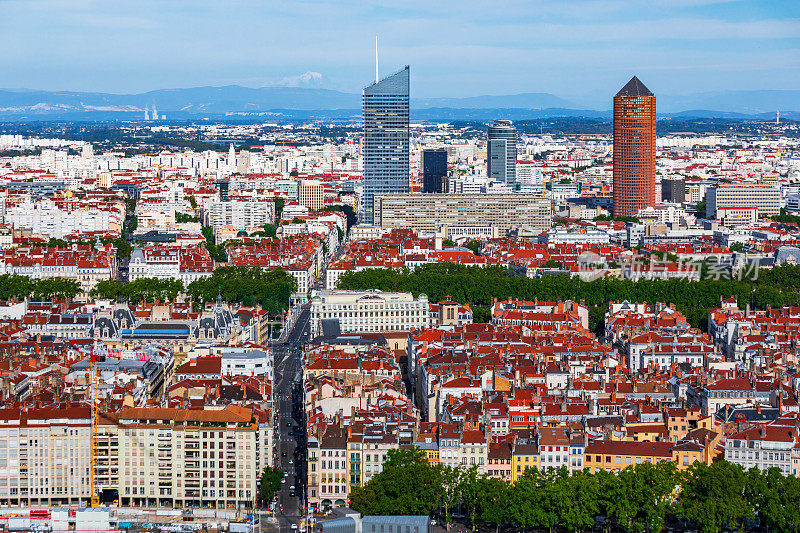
306	79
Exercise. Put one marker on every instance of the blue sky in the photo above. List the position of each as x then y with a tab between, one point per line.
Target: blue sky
582	48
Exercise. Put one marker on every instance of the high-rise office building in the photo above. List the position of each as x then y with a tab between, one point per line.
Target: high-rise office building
385	139
634	149
673	190
501	152
434	170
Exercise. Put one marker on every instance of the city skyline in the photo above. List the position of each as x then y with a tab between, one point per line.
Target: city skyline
580	50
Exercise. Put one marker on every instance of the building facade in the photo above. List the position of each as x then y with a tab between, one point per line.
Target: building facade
501	152
673	191
310	193
764	447
239	214
634	149
429	213
369	311
181	458
386	150
434	170
765	198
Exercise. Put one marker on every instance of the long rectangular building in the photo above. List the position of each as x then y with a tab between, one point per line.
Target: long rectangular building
156	457
765	198
428	213
369	311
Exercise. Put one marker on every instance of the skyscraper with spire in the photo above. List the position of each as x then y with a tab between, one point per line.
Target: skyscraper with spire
634	148
385	149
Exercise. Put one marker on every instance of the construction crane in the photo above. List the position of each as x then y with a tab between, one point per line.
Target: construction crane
95	490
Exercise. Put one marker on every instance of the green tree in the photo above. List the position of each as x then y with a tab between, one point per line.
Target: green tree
577	499
713	497
216	251
700	209
183	217
471	493
270	483
477	286
475	246
140	290
495	495
640	496
279	203
451	489
775	499
347	209
631	219
55	288
534	500
57	243
246	285
270	230
408	485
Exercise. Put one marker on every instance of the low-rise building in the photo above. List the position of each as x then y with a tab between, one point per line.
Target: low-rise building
763	447
369	311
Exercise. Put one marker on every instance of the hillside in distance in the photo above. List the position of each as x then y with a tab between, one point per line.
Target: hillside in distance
305	103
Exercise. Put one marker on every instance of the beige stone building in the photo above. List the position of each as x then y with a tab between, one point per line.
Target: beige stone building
428	213
310	193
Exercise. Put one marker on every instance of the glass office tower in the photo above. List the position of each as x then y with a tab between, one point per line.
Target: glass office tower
434	169
385	140
501	152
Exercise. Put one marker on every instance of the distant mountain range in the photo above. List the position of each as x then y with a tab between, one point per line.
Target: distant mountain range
277	103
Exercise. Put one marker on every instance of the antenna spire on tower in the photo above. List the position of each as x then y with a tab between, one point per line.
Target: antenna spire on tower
376	59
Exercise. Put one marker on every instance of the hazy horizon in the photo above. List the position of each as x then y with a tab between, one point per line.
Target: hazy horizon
584	50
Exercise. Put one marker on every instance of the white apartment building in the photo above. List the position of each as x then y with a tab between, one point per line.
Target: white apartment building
764	197
305	274
763	447
250	214
530	177
87	271
240	361
169	263
583	236
168	457
44	218
44	457
155	215
369	311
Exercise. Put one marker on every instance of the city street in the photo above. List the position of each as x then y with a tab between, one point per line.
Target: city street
290	439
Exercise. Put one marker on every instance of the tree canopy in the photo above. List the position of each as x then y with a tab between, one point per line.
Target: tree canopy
408	485
140	290
642	498
270	483
246	285
477	286
19	287
216	251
